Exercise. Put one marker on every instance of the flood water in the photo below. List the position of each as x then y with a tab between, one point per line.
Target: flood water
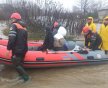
68	77
65	77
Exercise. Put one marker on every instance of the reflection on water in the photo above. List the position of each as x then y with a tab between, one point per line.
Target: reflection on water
69	77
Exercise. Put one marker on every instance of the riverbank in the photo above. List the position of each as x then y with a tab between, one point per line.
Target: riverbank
31	35
3	27
40	35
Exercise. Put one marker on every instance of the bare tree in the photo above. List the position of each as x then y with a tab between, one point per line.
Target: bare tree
41	12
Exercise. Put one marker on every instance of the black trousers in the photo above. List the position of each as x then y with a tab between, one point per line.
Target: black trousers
106	51
17	60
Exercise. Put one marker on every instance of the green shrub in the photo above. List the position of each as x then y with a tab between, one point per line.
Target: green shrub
6	31
31	35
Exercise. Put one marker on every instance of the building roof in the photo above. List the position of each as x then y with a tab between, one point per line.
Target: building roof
103	10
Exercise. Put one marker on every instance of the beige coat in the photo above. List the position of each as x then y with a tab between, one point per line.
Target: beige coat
59	42
59	37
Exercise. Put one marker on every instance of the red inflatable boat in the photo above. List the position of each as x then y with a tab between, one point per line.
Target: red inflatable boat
30	43
70	44
37	59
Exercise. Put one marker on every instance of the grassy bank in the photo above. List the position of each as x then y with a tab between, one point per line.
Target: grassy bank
31	35
36	36
6	31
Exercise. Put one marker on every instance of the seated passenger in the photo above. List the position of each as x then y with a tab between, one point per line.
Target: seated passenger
49	40
59	39
92	40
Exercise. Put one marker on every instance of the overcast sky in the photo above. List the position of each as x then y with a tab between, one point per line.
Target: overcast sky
67	4
1	1
70	3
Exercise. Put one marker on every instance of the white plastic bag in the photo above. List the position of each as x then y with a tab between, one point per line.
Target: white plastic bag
76	49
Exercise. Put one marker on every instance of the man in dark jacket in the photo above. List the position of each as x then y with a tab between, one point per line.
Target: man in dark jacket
92	40
48	41
18	44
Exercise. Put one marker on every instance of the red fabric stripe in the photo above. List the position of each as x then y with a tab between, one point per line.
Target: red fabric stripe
78	56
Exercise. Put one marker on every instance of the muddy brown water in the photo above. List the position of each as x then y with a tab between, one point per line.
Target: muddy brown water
95	76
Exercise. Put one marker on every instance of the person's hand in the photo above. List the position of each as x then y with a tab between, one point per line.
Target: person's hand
39	48
86	48
44	50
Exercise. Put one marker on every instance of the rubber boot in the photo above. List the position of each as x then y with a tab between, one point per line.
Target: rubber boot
22	73
25	78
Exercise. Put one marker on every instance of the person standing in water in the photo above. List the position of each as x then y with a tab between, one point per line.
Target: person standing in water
18	44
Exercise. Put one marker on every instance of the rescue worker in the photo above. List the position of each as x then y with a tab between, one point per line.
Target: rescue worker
18	44
103	32
92	40
91	24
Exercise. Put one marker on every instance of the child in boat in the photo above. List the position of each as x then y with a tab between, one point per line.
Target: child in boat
92	40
